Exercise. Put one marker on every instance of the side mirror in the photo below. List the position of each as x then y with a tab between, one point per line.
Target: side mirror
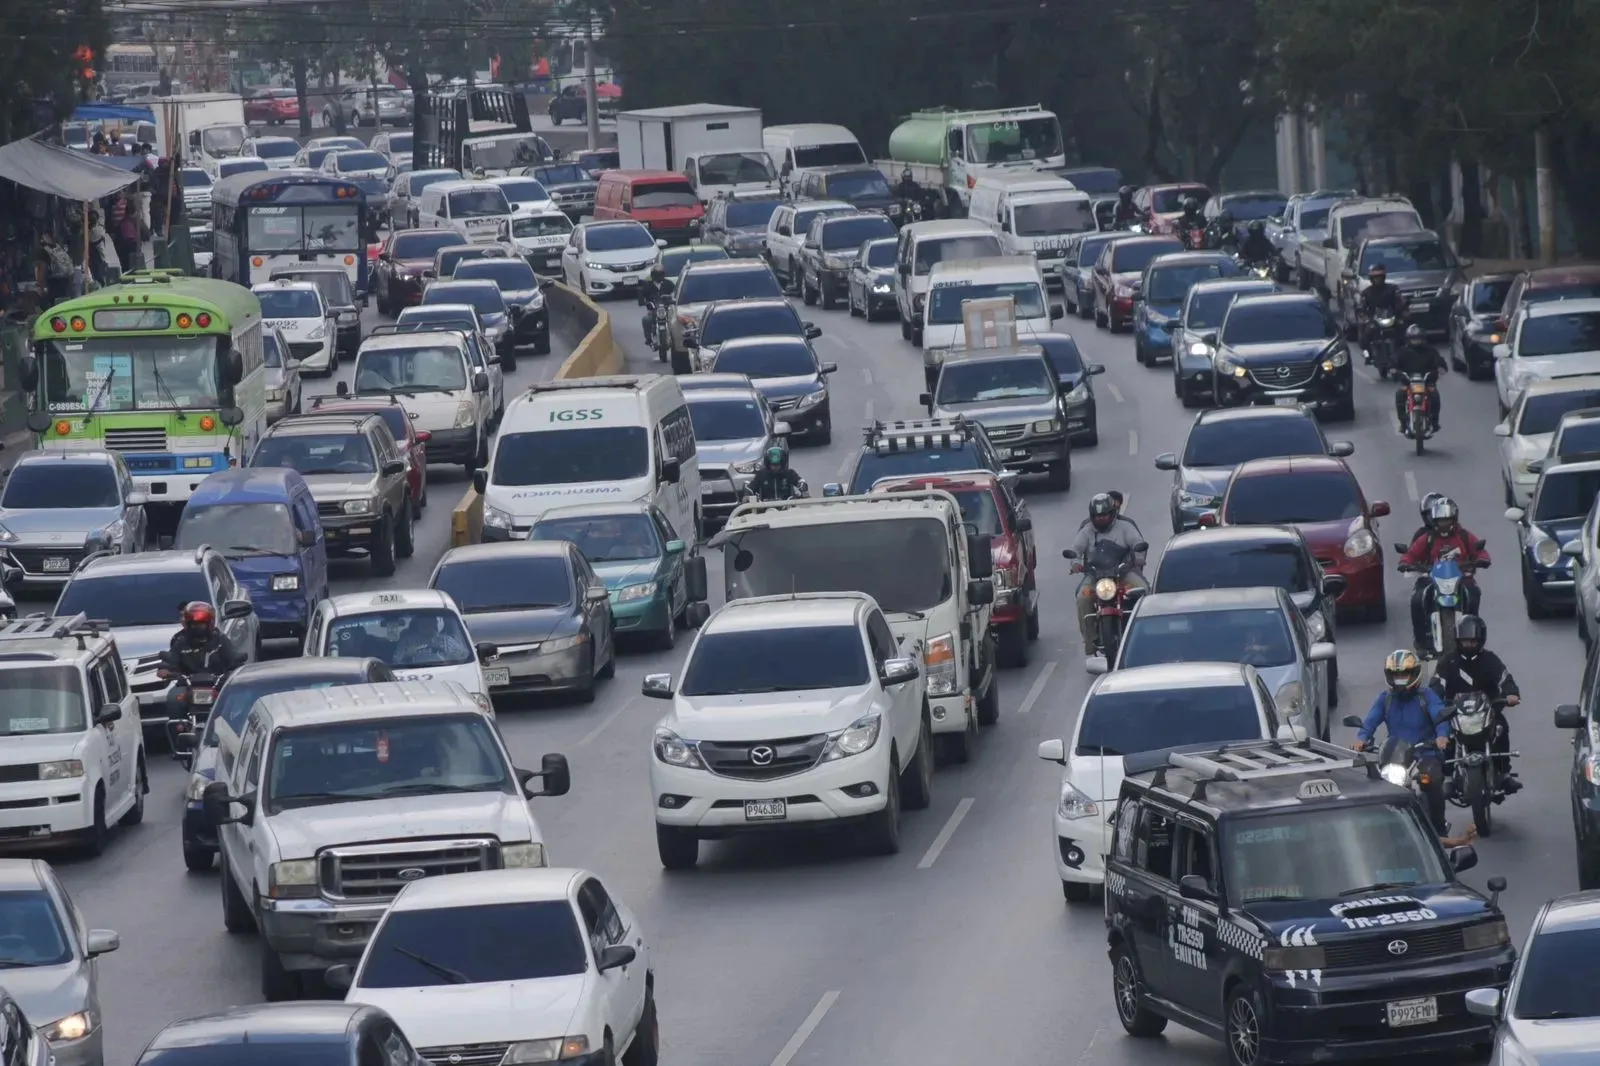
812	332
111	712
1351	721
660	242
670	473
785	231
1057	313
1193	886
1379	509
1166	461
676	547
480	481
1053	751
137	499
183	746
28	373
1463	858
1484	1002
238	609
1333	585
596	594
218	805
656	687
424	436
1569	716
827	368
1095	665
1207	520
1330	243
232	367
231	416
394	467
487	651
1503	429
340	978
306	538
1095	369
980	555
980	592
1068	553
1209	338
1341	449
102	942
696	585
1573	548
925	399
1514	514
1024	524
554	774
1321	652
1502	351
897	672
615	957
781	429
480	381
832	488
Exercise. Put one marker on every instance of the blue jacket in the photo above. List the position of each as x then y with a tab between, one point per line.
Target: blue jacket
1416	718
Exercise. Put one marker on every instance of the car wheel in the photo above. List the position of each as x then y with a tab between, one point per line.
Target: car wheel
1012	648
141	784
237	917
277	983
1242	1026
584	693
382	550
98	833
882	829
677	848
198	858
1127	989
916	782
405	543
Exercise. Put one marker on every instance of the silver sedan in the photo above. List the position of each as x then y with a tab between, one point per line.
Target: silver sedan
1548	1013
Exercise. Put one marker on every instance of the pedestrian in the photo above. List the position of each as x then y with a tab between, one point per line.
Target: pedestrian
125	231
54	272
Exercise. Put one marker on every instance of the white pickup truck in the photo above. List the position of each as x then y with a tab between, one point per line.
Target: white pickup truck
1349	223
1305	216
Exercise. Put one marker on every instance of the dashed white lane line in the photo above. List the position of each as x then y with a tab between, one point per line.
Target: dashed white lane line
1411	486
866	373
866	411
1133	442
949	830
592	735
1116	393
807	1027
1038	687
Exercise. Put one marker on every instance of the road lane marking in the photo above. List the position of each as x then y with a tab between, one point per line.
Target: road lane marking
601	726
1116	393
949	830
1411	486
1133	442
1038	687
867	410
807	1027
866	372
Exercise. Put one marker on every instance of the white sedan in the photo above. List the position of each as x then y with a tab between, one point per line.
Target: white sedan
1558	339
1526	432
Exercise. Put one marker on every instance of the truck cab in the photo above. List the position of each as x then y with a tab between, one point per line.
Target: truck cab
1349	223
946	151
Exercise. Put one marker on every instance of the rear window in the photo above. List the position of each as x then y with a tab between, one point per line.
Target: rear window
478	203
1257	636
1579	438
421	245
1245	208
1566	494
768	361
848	233
1352	228
1220	565
1229	442
289	303
707	286
665	194
1089	249
351	161
875	466
933	250
1489	296
1126	723
1570	290
1551	335
1170	284
1284	499
1541	413
1166	201
617	238
728	321
1207	309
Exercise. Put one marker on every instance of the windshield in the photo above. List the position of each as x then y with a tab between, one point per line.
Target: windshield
1579	438
478	203
315	156
804	217
1313	218
502	942
1549	335
1131	257
1199	566
1277	323
508	275
541	226
1170	284
347	162
1489	297
945	300
933	250
367	759
1257	636
1566	494
984	380
1061	351
318	453
727	419
56	485
1328	853
673	260
289	303
399	144
1557	978
798	659
321	228
238	529
41	699
130	374
1207	309
616	538
665	194
848	233
427	369
730	168
978	507
1169	201
617	238
523	190
750	214
585	456
1283	499
838	154
1542	411
422	245
1353	228
222	140
1012	140
448	261
859	185
1398	258
1229	442
506	152
1126	723
195	178
271	354
422	181
277	149
903	563
777	360
1249	208
1052	218
708	286
517	583
562	174
880	254
485	299
1089	249
231	167
406	638
127	600
727	321
30	931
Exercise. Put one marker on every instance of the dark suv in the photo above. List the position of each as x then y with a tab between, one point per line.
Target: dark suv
920	446
830	250
357	475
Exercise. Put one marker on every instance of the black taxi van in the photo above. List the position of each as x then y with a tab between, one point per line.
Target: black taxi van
1283	898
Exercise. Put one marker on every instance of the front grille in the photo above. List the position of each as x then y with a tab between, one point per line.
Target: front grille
778	758
136	440
1284	376
1419	294
334	509
374	873
305	350
713	473
628	268
1002	434
1374	951
19	772
784	404
465	1054
32	559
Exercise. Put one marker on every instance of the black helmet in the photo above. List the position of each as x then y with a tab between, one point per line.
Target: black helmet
1427	507
1377	271
1257	228
658	272
1191	203
1472	633
1102	510
1443	511
776	458
1414	334
905	175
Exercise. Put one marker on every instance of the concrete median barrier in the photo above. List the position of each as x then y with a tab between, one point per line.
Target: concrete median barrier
580	321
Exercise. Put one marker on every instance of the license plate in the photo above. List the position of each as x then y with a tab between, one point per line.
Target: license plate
629	283
57	566
1419	390
204	697
1286	401
1019	453
497	675
1421	1011
1416	300
766	810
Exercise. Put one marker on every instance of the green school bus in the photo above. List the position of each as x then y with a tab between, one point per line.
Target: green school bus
165	369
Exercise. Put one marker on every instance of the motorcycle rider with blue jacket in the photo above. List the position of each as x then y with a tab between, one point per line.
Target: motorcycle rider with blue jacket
1413	715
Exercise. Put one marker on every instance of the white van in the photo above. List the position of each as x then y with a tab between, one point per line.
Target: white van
811	144
922	244
419	632
955	281
592	440
477	209
1038	213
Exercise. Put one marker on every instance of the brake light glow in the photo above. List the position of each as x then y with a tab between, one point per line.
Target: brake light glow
202	320
58	324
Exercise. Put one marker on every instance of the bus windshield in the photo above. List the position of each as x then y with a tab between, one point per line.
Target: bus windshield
318	228
129	374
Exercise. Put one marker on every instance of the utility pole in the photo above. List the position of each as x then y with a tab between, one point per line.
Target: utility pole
1545	196
591	99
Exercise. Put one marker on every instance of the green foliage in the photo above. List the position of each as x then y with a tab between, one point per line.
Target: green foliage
37	43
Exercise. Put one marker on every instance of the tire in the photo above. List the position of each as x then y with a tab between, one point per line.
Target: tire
916	781
905	330
645	1050
1033	624
1186	395
916	335
1475	790
381	552
1085	311
667	639
198	859
508	363
825	296
141	784
808	296
1077	892
1126	987
1100	320
405	541
1419	432
98	834
1588	868
850	300
1011	647
237	917
609	670
277	983
1139	355
1242	1025
677	849
957	747
585	692
882	830
1059	476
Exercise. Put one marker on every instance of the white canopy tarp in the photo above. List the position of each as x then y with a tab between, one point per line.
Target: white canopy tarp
62	172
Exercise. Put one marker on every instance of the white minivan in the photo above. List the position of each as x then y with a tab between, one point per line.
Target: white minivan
811	144
592	440
1037	213
478	209
954	282
923	244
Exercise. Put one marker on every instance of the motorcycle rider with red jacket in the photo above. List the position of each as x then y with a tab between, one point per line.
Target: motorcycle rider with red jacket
1446	535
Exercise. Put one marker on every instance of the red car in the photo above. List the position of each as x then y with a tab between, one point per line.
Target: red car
272	107
990	506
413	442
1163	204
1115	280
1319	496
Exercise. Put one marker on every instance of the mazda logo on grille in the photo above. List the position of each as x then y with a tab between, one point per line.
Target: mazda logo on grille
412	873
1283	371
762	756
1398	947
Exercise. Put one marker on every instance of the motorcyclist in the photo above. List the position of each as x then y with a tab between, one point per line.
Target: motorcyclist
1472	667
1256	248
1223	232
656	287
1105	525
908	191
1426	508
773	479
1420	359
1190	219
1446	535
1413	715
1378	298
1126	214
197	647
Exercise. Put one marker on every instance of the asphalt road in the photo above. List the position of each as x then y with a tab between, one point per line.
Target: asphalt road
801	953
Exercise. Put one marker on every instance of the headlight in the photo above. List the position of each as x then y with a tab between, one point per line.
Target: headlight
940	662
1283	958
1336	360
880	288
496	518
522	856
553	1050
836	262
274	395
596	266
365	506
1547	552
563	643
61	770
857	737
1521	467
629	593
1361	543
675	751
292	878
195	791
537	302
1079	394
466	414
1197	499
1228	368
1291	700
6	536
317	334
485	704
1122	292
76	1027
1200	350
1105	590
1485	935
1048	425
811	399
1317	626
1075	805
111	534
747	467
1396	774
285	582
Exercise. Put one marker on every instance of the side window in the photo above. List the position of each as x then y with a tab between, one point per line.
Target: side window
369	1050
221	578
110	679
600	917
677	434
881	638
252	766
1195	854
663	526
98	697
1127	835
1302	636
1152	851
314	634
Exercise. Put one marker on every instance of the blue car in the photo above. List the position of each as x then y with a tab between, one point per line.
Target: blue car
264	521
1553	518
1161	295
239	693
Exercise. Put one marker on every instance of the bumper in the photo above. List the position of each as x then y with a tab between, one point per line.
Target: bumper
1556	587
1053	271
1364	579
714	805
1322	390
950	713
832	281
1033	454
89	1051
405	293
343	534
1434	317
317	358
1156	341
545	261
282	615
641	616
530	328
1081	845
1119	311
453	445
1478	352
312	934
608	283
530	672
349	333
718	497
34	812
806	421
38	577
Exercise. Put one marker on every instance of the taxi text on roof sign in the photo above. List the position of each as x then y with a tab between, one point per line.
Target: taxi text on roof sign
388	597
1319	788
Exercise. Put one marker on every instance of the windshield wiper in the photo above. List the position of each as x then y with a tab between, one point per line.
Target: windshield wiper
422	788
98	396
18	964
1557	1015
412	390
492	608
768	688
455	977
166	393
1378	886
311	799
246	549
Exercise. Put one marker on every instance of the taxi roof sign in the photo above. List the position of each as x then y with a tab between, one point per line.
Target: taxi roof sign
1319	788
388	597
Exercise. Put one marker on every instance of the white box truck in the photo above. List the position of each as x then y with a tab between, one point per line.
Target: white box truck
717	146
202	127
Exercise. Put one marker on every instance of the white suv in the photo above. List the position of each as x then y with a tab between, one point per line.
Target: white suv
296	309
792	710
340	797
71	750
579	987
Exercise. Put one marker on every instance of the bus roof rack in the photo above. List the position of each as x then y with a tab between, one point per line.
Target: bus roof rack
37	626
149	276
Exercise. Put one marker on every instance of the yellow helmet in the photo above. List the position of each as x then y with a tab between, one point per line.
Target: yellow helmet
1403	670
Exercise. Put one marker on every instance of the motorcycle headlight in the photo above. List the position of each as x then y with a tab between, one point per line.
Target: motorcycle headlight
466	414
72	1027
1472	722
1446	586
811	399
629	593
522	856
880	288
675	751
1105	590
1075	805
285	582
1361	542
857	737
495	518
1317	626
1547	552
1395	774
1385	322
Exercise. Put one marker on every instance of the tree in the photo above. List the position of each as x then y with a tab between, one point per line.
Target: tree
38	70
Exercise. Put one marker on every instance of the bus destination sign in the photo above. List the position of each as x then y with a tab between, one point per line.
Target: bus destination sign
139	318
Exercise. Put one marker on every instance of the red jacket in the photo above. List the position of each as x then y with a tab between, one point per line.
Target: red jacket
1426	550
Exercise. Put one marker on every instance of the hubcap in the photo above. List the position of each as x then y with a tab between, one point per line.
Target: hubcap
1242	1032
1127	988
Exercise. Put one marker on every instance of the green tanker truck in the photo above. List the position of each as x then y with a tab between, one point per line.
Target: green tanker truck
947	150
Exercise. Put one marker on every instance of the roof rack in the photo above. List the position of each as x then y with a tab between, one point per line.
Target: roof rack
37	626
316	402
1255	760
390	329
917	433
608	381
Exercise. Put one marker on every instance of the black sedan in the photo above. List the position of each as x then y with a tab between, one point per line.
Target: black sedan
787	372
1283	349
1474	324
1075	382
869	288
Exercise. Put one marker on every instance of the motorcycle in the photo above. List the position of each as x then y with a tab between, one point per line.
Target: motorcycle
1262	270
801	491
1194	238
1106	575
663	332
1445	597
1419	427
189	704
1379	353
1399	762
1475	780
